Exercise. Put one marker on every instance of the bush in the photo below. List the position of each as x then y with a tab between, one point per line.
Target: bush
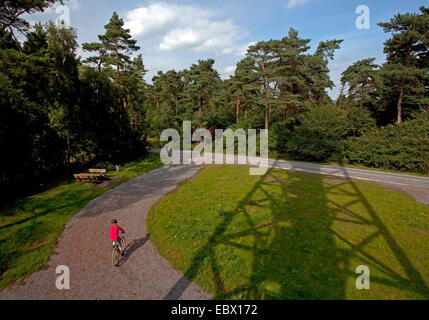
106	165
403	147
320	134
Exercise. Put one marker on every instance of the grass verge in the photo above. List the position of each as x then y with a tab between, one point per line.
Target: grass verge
289	235
30	227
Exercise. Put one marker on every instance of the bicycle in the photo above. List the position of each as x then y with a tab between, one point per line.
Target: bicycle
116	253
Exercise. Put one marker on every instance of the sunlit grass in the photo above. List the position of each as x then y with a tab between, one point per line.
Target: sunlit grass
293	236
30	227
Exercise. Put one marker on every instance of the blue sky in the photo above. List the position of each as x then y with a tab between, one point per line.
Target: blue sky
175	34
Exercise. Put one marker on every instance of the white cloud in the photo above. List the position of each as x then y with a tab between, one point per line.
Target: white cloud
239	51
173	36
294	3
229	70
175	27
158	18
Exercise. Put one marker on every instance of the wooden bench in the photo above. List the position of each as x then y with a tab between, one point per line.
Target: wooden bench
88	177
101	172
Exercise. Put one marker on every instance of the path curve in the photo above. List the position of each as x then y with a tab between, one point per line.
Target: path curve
84	247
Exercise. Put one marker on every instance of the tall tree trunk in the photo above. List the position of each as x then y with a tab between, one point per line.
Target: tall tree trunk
266	96
400	100
362	91
246	104
237	109
177	105
101	60
200	109
117	60
68	151
266	116
340	98
16	39
157	103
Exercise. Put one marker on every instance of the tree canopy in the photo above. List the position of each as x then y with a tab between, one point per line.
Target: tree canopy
60	114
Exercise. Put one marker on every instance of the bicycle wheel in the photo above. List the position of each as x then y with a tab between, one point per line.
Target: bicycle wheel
123	242
116	256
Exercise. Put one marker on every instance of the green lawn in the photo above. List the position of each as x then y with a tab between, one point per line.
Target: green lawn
29	228
291	235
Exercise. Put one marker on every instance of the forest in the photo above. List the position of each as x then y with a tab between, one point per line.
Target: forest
61	112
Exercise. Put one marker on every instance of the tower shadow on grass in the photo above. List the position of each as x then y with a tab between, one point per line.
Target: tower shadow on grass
296	254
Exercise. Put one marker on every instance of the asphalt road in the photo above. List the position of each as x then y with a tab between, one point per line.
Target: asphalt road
416	186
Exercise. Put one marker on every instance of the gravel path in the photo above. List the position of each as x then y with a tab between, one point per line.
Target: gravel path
143	273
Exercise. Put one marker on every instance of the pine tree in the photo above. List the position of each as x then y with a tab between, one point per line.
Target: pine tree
134	88
168	87
202	80
261	53
100	58
12	10
114	48
362	81
62	46
174	88
290	75
318	70
243	87
407	56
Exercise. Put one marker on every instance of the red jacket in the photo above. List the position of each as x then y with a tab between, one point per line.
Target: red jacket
114	231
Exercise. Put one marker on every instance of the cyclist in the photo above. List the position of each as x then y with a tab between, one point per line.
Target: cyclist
114	234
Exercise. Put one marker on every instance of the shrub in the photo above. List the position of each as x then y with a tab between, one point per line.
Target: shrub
403	147
320	134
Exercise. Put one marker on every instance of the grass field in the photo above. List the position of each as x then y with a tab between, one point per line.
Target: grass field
291	235
30	227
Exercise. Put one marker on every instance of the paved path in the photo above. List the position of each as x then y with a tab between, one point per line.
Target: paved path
416	186
84	247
